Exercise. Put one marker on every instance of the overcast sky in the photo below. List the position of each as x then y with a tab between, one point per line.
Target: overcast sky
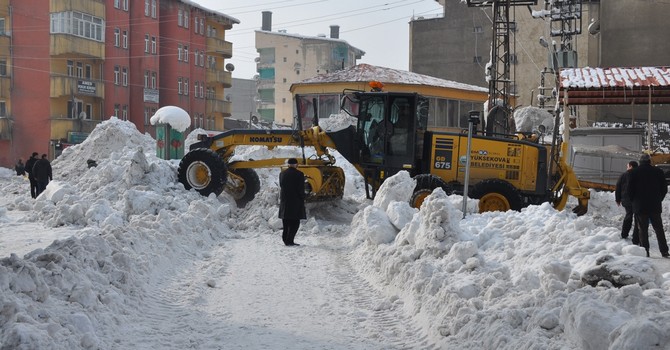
378	27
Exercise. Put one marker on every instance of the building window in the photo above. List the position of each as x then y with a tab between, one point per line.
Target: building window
146	7
2	26
202	90
117	107
3	68
117	37
153	80
202	26
125	112
186	20
3	109
153	45
88	71
146	79
180	18
125	5
146	115
116	75
146	43
195	57
186	87
125	76
125	39
70	68
477	59
78	24
153	8
179	85
89	111
185	53
195	88
117	4
195	24
180	49
80	70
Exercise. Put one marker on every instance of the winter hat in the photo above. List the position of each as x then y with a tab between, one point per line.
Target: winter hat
292	161
645	158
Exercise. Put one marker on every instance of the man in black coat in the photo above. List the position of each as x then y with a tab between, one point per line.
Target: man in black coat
291	201
622	198
42	173
646	189
29	169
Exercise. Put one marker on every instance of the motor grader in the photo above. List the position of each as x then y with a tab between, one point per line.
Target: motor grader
390	135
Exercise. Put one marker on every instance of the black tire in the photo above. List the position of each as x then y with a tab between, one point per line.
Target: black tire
244	191
496	195
204	171
425	184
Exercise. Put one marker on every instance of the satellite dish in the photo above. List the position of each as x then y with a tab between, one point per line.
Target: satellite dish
594	27
230	67
82	115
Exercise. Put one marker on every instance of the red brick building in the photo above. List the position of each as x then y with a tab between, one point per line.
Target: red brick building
67	65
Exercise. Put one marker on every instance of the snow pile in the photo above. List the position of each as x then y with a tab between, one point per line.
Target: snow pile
532	119
134	217
515	280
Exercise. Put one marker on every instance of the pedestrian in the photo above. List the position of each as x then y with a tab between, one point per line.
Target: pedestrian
42	173
646	189
623	199
291	201
30	163
20	168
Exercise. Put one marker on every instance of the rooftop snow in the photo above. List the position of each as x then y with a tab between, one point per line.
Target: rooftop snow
367	73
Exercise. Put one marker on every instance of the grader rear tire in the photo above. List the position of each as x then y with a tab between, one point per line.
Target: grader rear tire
204	171
245	191
496	195
425	184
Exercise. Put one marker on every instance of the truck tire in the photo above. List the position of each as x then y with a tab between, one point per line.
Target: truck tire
244	191
496	195
204	171
425	184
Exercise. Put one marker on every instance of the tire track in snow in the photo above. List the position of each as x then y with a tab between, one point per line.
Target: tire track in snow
307	297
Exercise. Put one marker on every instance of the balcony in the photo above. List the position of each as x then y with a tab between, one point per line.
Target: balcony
67	44
61	126
5	83
219	106
68	86
222	47
219	76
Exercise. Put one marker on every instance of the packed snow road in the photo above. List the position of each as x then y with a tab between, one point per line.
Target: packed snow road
255	293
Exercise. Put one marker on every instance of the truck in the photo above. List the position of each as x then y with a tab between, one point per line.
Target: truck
390	134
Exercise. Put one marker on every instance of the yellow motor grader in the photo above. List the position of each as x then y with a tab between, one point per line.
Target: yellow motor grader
390	134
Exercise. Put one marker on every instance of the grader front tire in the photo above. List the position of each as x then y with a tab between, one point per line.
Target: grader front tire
204	171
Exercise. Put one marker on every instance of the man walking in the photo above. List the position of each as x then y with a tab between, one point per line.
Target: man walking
42	174
647	188
30	163
291	201
622	198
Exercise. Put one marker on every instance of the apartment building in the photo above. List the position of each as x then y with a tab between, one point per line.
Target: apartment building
288	58
67	65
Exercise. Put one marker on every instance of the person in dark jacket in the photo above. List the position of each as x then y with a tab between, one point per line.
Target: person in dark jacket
291	201
646	189
30	163
42	173
623	199
20	168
